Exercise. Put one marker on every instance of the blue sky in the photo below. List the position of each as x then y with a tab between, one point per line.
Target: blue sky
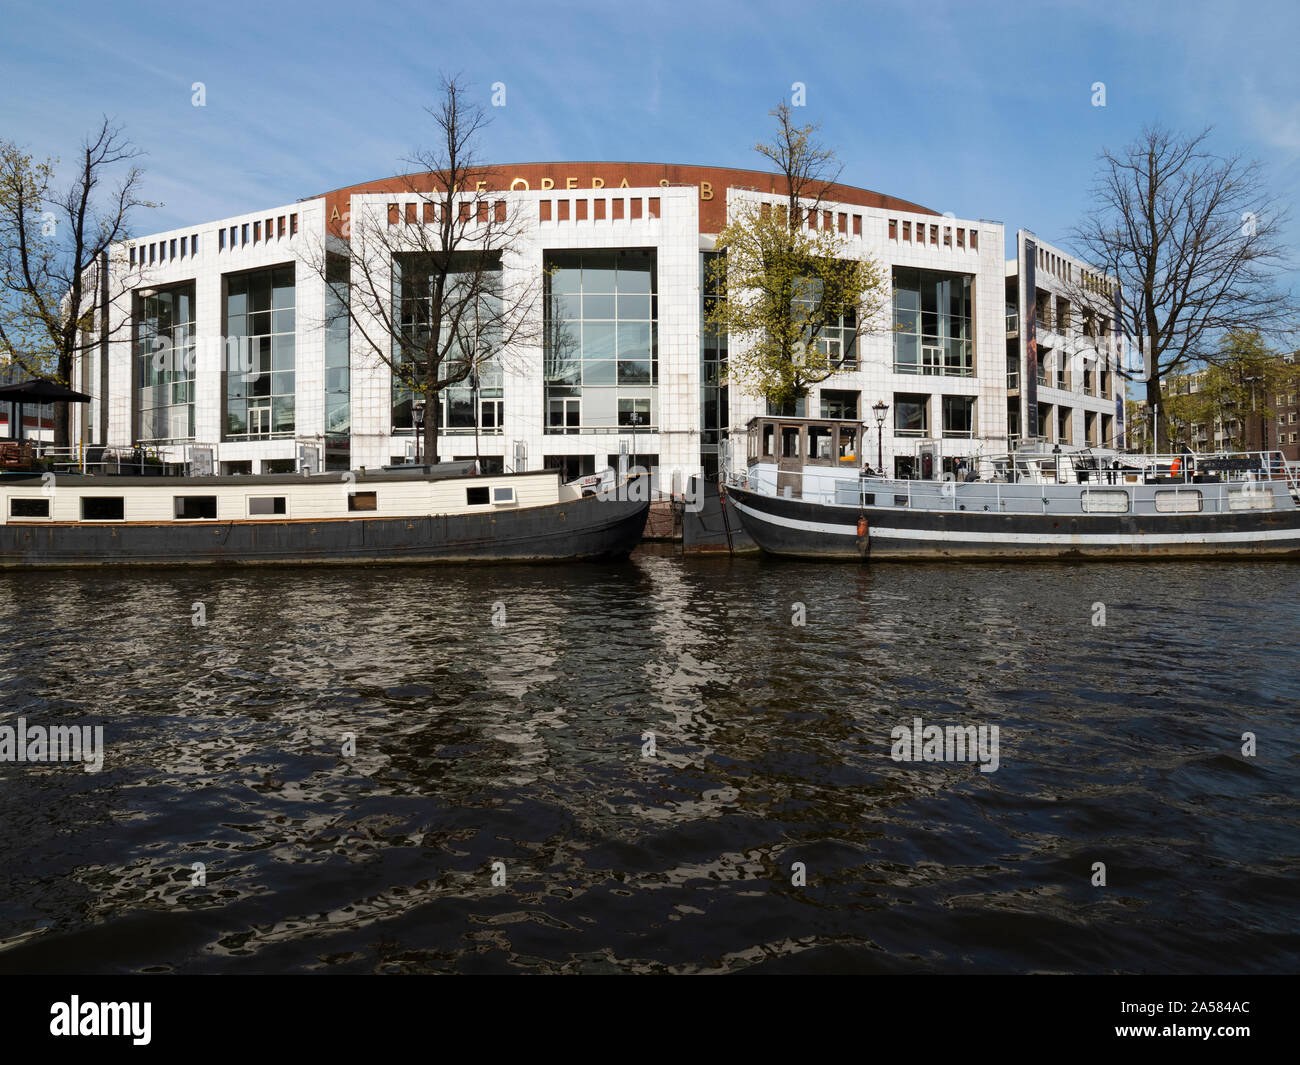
980	109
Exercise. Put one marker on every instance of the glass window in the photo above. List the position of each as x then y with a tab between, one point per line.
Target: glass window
102	508
600	336
1104	501
838	339
29	508
958	416
266	505
261	356
820	445
165	364
474	348
932	323
195	507
713	362
628	409
1178	500
839	405
910	415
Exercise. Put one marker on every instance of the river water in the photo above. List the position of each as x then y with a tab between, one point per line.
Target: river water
504	811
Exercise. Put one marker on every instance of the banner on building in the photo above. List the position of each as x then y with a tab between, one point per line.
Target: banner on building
1029	325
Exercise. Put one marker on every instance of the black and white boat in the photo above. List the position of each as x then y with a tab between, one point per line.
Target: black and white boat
801	496
422	514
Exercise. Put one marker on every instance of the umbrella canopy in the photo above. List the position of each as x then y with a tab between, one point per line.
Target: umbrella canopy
40	392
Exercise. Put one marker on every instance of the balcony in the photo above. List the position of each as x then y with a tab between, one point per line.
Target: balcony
935	357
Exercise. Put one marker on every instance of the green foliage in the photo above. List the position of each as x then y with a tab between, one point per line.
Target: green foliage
782	287
1241	383
30	311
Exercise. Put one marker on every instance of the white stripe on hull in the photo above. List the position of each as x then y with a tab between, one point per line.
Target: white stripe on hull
1012	538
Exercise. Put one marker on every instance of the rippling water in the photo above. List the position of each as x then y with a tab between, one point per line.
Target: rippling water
522	744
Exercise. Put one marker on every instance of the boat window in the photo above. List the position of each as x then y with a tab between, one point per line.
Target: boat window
102	508
819	442
362	501
195	508
266	505
477	497
1178	501
504	494
29	508
1250	496
789	441
769	439
848	445
1102	501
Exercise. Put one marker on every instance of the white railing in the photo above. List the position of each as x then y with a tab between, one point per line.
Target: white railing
1214	477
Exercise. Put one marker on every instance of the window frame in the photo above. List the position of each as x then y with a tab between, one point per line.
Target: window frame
177	502
47	516
98	498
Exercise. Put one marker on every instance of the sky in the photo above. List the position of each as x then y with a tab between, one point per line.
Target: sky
982	109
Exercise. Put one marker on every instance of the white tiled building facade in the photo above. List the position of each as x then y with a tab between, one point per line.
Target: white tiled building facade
948	357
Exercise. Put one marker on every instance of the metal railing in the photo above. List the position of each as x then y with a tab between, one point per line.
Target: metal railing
1023	497
126	461
1215	478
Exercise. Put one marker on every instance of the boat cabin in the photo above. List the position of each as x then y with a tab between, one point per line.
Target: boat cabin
794	452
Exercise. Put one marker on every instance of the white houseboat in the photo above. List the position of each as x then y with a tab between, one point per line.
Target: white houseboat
440	513
803	494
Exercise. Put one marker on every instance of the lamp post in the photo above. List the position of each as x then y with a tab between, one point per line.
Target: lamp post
474	383
417	419
879	411
634	419
474	387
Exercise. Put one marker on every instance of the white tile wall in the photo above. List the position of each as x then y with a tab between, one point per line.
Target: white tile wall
675	236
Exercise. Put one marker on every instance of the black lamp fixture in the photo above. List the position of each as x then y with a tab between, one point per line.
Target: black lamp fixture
634	419
417	419
878	409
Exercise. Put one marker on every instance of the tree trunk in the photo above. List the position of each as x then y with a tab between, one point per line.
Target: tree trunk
1156	400
432	419
62	433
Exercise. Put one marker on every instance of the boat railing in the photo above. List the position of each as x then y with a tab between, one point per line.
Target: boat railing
129	461
1088	482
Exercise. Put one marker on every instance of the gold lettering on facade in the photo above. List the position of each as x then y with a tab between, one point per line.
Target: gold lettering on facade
598	183
518	183
335	213
706	190
548	183
570	182
663	182
623	184
479	186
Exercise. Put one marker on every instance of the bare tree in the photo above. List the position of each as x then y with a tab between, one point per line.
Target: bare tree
54	246
425	284
1195	241
790	295
810	168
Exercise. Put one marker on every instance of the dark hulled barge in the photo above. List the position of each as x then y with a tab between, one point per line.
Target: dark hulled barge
802	497
416	515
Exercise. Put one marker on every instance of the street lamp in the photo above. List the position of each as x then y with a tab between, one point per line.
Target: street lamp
634	419
474	397
417	419
879	411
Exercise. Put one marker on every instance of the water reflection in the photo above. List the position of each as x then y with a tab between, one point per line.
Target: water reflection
522	743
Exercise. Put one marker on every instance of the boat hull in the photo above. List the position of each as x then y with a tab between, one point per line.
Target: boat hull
591	528
796	529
